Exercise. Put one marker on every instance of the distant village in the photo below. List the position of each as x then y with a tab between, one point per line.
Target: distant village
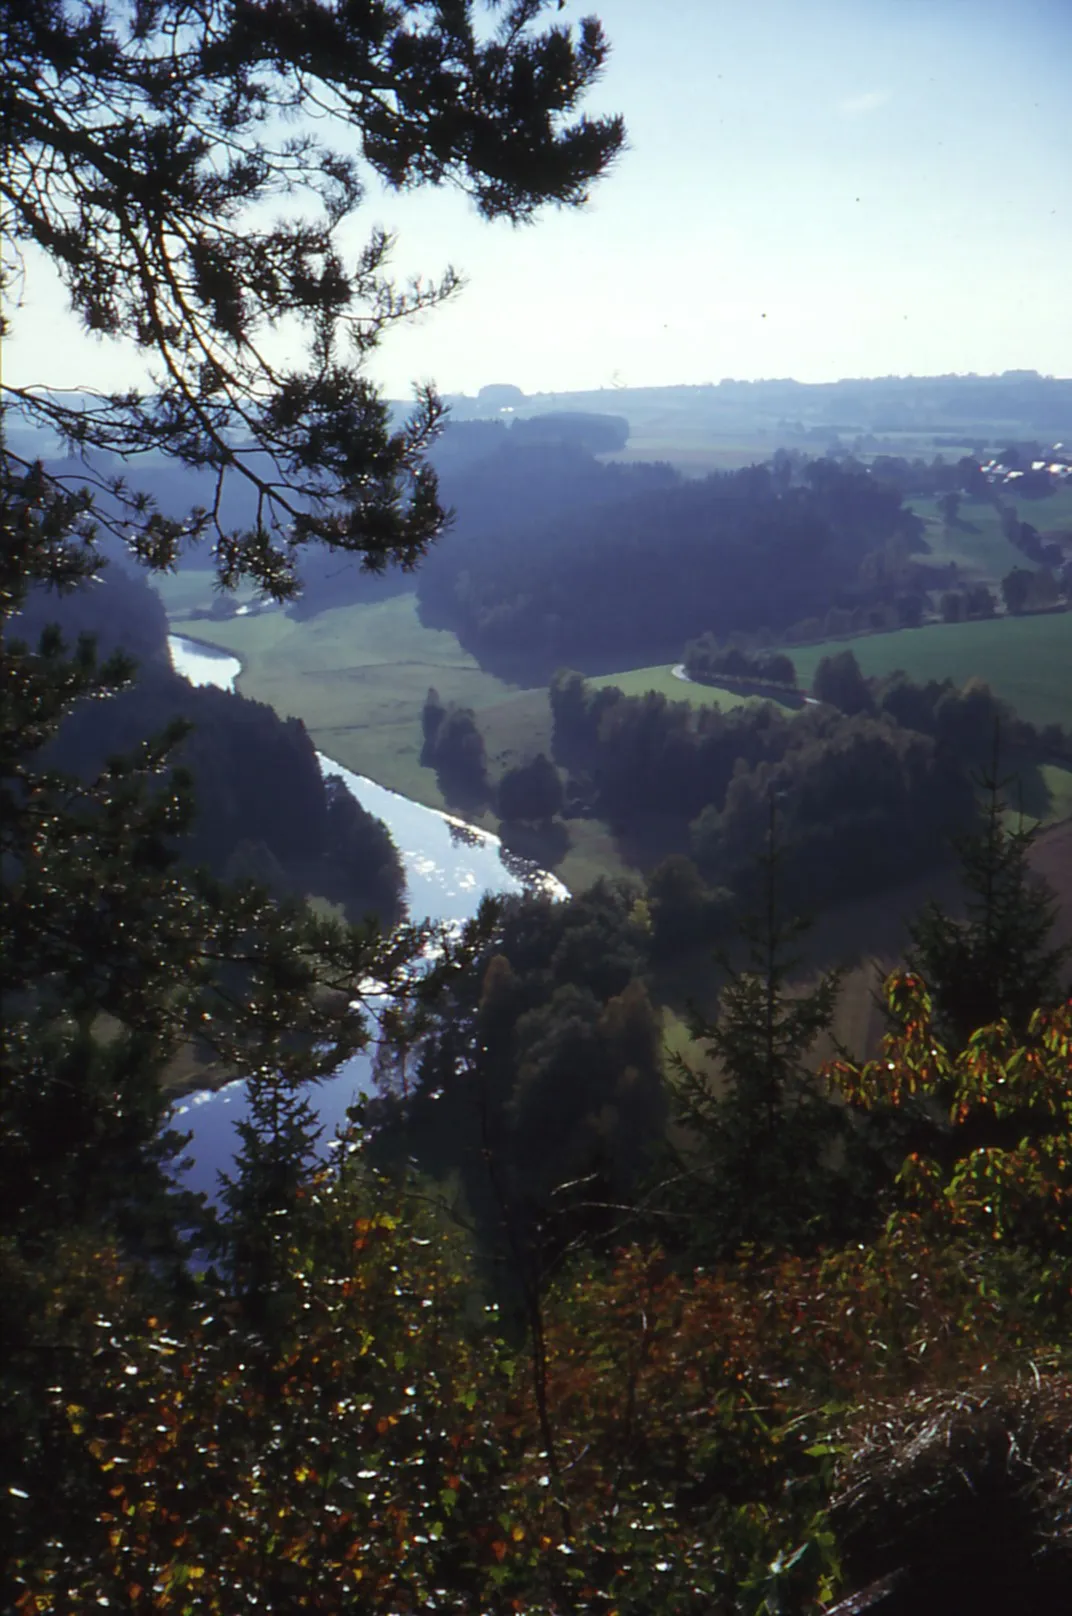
1014	464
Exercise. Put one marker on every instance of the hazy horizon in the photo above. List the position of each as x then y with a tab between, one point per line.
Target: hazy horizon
817	193
1024	371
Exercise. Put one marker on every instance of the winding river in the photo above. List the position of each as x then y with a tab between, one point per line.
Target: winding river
449	866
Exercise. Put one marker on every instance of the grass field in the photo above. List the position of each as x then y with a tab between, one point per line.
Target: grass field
696	454
1026	660
639	681
976	544
358	676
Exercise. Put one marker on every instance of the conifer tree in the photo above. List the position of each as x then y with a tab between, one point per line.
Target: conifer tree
751	1167
189	171
999	962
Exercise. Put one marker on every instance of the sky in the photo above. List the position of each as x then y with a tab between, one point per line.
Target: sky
812	188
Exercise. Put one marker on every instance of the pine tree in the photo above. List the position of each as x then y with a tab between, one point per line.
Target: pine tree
752	1165
998	963
145	151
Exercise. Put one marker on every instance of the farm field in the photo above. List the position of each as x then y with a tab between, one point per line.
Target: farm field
696	454
976	545
639	681
1026	660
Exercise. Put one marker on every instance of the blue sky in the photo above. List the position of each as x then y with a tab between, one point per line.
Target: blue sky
814	188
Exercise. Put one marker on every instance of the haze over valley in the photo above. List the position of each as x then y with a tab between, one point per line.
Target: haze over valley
536	808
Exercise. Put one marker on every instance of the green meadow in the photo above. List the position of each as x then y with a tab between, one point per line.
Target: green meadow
639	681
358	677
1026	660
694	453
975	544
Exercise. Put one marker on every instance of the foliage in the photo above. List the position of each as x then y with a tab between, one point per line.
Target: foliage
201	1465
996	1123
531	791
998	963
454	747
682	909
552	562
1016	588
113	960
755	1162
145	147
305	1398
533	1082
863	800
261	806
839	681
598	434
707	661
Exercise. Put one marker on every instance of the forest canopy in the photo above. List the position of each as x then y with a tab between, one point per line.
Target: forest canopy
558	559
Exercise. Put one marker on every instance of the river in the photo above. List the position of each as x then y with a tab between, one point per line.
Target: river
449	866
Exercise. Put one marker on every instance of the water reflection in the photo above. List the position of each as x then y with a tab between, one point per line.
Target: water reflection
449	866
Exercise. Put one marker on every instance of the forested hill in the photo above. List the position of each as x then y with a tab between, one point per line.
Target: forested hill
1016	403
263	809
631	567
506	489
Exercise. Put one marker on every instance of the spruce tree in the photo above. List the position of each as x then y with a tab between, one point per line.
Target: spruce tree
999	962
752	1165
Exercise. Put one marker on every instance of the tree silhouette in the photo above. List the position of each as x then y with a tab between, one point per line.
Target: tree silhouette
144	147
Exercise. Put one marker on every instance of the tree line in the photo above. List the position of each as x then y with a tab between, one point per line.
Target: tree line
872	782
556	559
263	809
707	662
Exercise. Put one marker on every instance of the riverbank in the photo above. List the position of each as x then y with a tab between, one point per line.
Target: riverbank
448	863
358	676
